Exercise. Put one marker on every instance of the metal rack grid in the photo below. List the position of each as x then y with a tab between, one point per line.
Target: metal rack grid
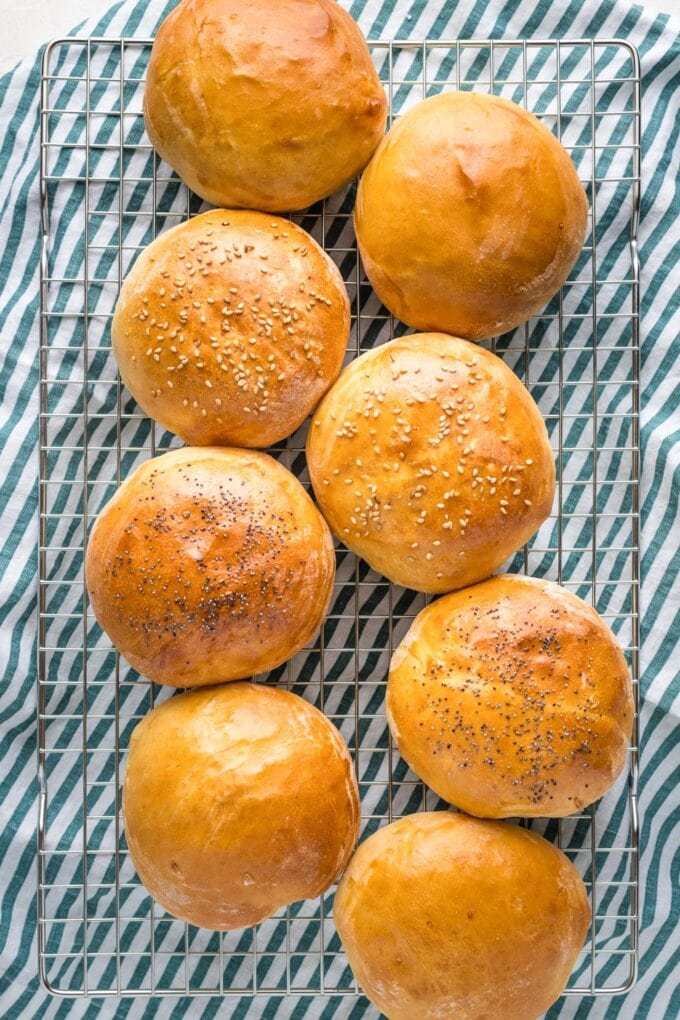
105	194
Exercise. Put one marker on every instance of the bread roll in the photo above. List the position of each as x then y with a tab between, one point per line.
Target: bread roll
208	565
265	104
230	328
430	459
469	216
445	917
512	698
238	800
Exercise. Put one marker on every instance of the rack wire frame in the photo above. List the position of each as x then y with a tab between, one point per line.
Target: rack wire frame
98	931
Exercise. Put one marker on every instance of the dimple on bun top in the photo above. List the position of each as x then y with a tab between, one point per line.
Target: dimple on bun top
470	215
230	328
209	564
263	104
430	460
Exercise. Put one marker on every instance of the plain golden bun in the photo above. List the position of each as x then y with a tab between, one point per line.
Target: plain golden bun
209	564
445	917
230	328
264	104
469	216
238	800
512	698
430	460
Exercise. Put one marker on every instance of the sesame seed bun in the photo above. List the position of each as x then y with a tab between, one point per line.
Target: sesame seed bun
209	565
445	916
263	104
230	328
429	458
470	215
237	801
512	698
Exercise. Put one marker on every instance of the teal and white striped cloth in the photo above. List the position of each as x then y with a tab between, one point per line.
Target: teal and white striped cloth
657	994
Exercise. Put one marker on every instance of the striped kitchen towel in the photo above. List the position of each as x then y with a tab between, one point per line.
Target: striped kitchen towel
657	993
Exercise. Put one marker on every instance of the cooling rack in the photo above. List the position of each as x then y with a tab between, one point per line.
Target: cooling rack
105	195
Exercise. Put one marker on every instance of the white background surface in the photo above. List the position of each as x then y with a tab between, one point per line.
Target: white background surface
26	24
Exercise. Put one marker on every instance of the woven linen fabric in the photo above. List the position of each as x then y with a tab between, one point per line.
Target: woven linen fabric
657	992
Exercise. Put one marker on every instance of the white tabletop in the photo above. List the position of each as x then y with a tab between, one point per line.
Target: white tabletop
26	24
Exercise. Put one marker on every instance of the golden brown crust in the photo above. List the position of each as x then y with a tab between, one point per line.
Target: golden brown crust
469	216
263	104
231	327
512	698
445	916
430	459
209	565
238	800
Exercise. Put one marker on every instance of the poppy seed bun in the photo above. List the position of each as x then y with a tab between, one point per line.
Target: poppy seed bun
470	215
444	916
238	800
230	328
263	104
209	564
430	460
512	698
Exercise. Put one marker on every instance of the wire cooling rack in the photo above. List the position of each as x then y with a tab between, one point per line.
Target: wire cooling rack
105	195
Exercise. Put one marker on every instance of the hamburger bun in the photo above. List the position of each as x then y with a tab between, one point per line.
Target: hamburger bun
470	215
209	564
431	461
263	104
444	916
238	800
512	698
230	328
